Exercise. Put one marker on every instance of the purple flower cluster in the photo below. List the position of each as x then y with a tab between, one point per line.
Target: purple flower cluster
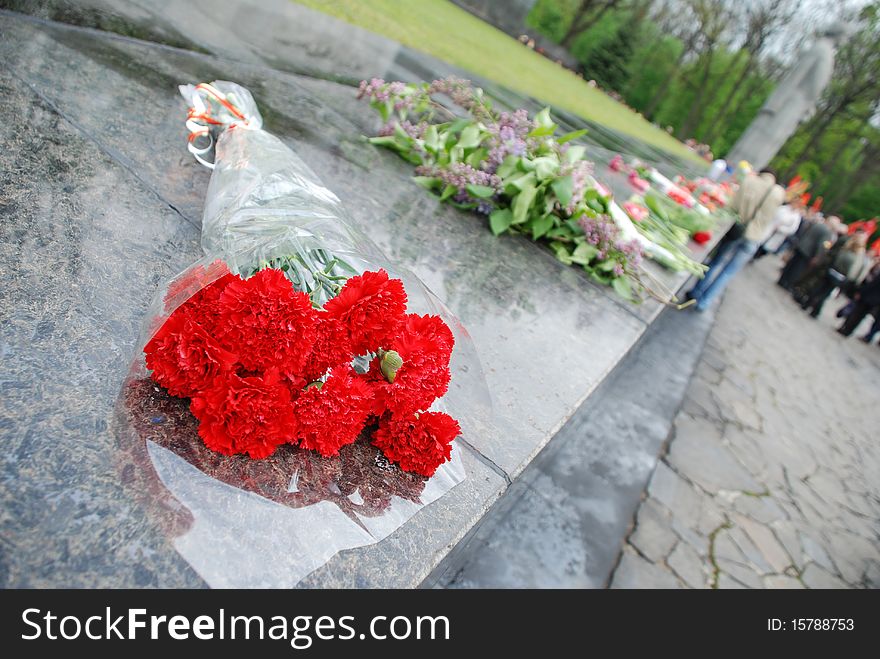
580	172
460	175
379	90
463	95
405	97
507	136
411	129
604	234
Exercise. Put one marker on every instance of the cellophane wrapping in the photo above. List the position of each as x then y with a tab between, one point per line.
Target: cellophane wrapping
241	522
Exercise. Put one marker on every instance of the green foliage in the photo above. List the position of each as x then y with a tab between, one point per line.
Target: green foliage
609	64
864	203
448	32
541	189
551	17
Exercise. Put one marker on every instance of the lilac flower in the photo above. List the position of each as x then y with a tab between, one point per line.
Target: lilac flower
580	172
413	130
460	175
602	233
485	207
508	135
462	94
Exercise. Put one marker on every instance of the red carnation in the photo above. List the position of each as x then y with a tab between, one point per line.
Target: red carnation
702	237
332	347
333	415
184	358
372	306
269	323
192	283
418	443
252	415
425	346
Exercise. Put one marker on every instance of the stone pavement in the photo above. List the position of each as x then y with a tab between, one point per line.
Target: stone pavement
772	474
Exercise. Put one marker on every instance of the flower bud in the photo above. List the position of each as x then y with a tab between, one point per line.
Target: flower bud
389	363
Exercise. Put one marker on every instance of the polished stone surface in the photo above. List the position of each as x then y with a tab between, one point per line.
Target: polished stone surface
101	202
83	247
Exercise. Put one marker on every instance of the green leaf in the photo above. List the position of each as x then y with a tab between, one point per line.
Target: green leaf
522	203
622	287
596	205
559	232
597	276
386	109
606	266
546	167
584	253
432	139
427	182
575	153
526	164
388	141
470	137
507	167
563	188
456	153
448	191
573	135
402	136
543	124
500	220
478	156
522	181
481	191
562	252
541	226
457	125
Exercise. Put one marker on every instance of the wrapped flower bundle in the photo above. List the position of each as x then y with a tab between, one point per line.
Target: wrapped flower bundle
292	396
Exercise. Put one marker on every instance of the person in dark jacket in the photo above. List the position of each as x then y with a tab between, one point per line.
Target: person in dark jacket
811	246
867	301
849	263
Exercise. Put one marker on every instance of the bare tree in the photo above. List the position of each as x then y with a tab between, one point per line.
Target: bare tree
868	166
586	15
763	22
714	17
689	38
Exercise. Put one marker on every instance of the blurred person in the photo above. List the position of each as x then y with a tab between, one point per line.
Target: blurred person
847	267
816	271
866	301
755	202
785	223
808	251
718	168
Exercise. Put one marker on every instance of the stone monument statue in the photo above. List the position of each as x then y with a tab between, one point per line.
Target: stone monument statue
791	102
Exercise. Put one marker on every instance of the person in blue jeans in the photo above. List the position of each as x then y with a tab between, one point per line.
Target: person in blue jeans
756	202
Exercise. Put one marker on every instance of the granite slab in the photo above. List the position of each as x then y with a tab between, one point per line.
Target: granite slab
94	157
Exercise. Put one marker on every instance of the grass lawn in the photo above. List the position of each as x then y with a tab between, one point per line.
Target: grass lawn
442	29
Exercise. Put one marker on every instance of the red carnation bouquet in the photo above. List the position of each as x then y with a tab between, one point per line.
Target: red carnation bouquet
293	345
264	365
